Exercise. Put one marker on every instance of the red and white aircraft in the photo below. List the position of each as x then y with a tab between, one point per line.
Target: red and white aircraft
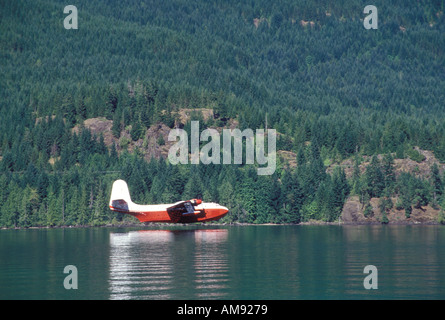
180	212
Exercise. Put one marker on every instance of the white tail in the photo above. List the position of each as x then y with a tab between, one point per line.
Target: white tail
120	196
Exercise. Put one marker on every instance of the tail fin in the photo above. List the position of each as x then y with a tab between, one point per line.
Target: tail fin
120	197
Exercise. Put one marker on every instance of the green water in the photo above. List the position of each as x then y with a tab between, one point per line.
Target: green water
225	262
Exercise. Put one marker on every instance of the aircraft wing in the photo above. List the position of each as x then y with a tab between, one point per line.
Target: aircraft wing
185	206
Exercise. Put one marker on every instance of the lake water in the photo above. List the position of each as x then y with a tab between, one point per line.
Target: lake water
224	262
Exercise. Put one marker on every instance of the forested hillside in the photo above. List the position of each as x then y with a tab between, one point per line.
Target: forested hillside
333	90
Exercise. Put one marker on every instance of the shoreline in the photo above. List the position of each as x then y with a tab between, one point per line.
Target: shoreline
240	224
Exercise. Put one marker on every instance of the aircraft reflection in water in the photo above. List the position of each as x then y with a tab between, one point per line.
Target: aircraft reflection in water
188	211
169	264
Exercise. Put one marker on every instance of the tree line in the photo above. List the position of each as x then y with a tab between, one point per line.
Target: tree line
75	188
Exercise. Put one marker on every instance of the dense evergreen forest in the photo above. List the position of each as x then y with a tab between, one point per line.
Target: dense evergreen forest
332	89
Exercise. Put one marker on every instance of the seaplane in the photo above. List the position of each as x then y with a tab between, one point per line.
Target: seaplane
187	211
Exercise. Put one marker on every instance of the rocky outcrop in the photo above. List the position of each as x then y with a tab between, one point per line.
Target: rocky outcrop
353	213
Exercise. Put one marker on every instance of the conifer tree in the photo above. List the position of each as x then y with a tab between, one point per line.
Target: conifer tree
263	210
112	101
356	181
116	127
81	109
69	111
436	181
247	194
388	173
339	190
374	179
301	159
